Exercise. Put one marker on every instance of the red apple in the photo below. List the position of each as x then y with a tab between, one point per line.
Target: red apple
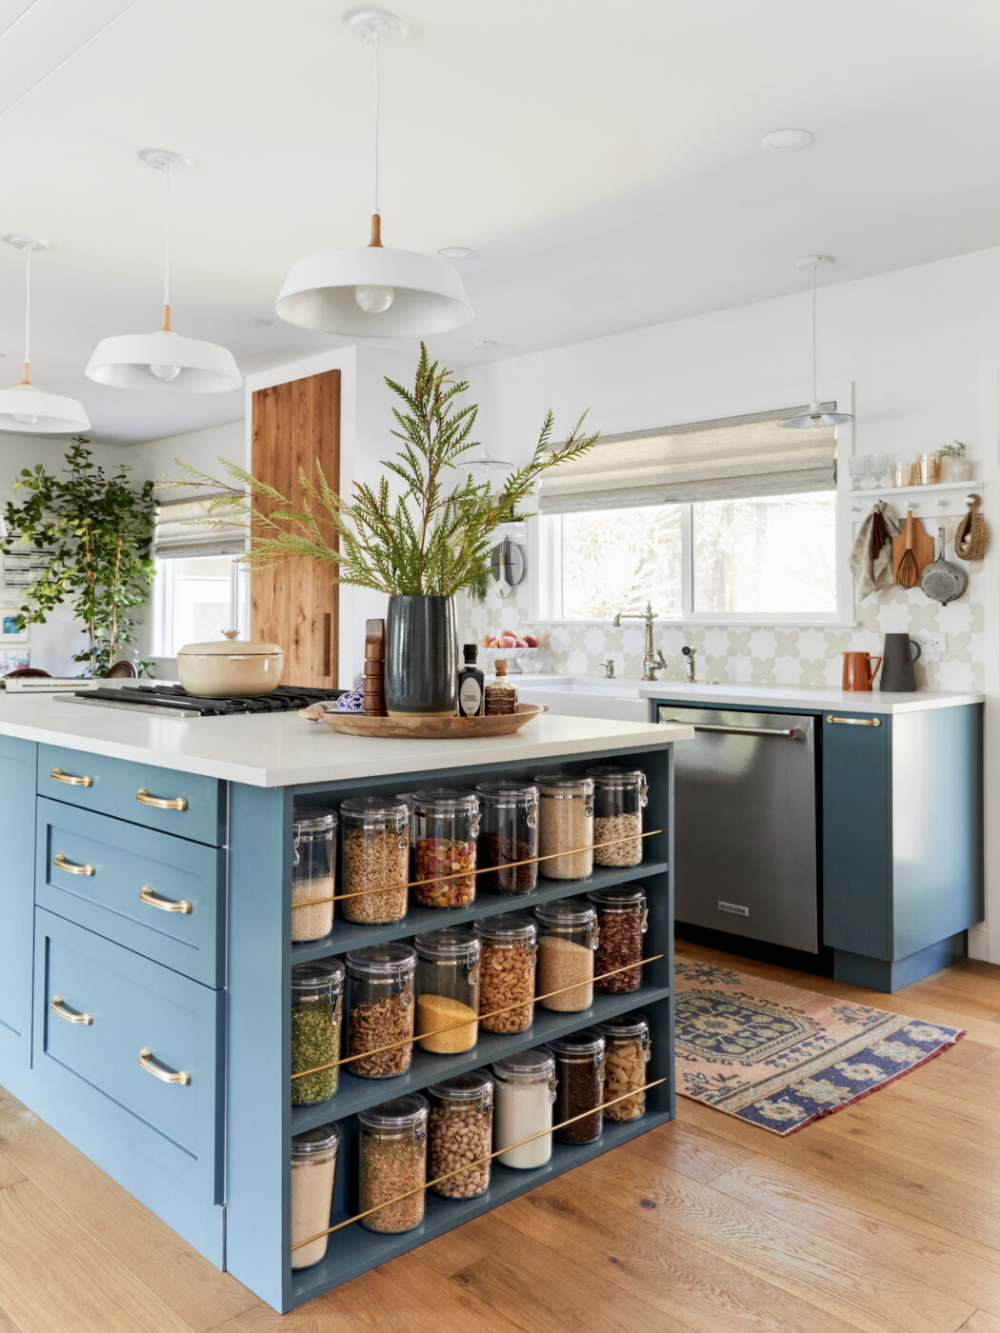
487	641
520	643
508	641
531	640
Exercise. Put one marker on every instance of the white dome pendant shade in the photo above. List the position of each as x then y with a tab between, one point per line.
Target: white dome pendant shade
486	469
25	409
374	292
164	360
814	416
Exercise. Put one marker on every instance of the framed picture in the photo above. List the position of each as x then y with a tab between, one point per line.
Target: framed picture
9	632
12	659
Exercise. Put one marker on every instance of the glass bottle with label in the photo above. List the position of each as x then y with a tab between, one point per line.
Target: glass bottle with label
471	683
501	695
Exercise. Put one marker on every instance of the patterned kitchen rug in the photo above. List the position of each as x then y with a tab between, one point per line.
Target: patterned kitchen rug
781	1057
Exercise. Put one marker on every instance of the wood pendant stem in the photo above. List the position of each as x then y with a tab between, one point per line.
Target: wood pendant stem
165	326
25	379
376	238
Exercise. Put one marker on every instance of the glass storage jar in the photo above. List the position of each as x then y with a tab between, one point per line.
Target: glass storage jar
314	871
445	825
507	971
380	1009
579	1085
461	1132
565	825
376	851
447	990
567	938
314	1164
393	1149
620	796
627	1050
317	1000
621	924
524	1094
508	832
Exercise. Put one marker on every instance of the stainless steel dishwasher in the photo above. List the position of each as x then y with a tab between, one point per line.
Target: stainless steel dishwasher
746	825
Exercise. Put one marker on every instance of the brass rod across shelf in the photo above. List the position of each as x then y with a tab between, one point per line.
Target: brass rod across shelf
480	1161
481	870
467	1022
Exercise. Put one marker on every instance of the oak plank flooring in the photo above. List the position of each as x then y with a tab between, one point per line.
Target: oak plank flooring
981	1322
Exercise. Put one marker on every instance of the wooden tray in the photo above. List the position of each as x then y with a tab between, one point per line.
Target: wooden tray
427	728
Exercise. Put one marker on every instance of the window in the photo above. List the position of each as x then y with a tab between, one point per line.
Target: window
200	587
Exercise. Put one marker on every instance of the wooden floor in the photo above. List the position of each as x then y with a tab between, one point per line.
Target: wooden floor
884	1217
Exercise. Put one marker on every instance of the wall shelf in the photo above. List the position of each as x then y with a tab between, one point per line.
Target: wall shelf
939	488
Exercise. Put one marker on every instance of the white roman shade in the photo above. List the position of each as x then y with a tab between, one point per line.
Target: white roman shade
703	460
181	531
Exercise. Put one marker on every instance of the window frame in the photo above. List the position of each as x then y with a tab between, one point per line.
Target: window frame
163	603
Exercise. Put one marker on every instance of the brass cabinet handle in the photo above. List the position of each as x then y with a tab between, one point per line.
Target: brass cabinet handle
72	779
60	863
71	1016
147	895
146	1058
161	802
855	721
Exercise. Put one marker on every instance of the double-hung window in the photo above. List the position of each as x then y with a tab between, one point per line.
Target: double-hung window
200	587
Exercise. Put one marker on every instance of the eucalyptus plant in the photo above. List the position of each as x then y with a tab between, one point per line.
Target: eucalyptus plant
431	536
97	533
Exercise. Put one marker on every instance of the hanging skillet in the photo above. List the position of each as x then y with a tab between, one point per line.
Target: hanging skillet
943	582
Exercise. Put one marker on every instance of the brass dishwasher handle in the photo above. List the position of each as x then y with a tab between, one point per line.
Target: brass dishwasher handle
72	779
58	1007
60	863
147	895
146	1058
855	721
161	802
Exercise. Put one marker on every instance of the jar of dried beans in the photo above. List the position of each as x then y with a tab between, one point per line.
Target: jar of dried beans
508	836
507	972
620	796
314	864
565	825
447	990
314	1165
380	1009
461	1132
567	938
621	924
317	997
393	1149
445	826
376	850
627	1050
525	1091
579	1085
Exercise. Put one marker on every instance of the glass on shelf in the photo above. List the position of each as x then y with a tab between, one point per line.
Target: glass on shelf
929	469
314	872
901	474
858	467
878	465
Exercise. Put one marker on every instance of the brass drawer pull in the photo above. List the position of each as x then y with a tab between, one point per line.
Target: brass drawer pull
161	802
855	721
164	1075
60	863
72	779
58	1007
164	904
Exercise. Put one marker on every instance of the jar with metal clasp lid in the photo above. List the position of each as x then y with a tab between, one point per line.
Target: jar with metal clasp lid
380	1009
392	1142
620	797
626	1056
447	990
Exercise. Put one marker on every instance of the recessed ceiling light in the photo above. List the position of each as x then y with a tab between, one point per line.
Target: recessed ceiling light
258	322
457	252
786	141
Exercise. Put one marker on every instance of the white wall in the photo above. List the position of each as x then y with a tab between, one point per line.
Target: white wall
158	459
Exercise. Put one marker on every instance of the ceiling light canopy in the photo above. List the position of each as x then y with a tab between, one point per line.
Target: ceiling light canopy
164	360
814	416
375	291
24	408
786	141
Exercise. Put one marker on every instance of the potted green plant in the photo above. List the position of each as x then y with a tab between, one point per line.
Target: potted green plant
419	535
959	467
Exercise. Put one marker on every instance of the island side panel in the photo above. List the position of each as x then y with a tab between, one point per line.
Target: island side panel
17	825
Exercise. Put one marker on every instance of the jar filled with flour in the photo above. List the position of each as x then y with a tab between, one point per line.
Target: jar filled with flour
314	864
523	1098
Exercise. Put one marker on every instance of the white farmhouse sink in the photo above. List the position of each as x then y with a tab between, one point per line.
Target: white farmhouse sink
585	696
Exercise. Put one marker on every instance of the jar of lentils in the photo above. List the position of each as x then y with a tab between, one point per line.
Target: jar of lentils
627	1051
620	796
445	829
447	990
508	836
461	1132
314	866
317	998
393	1150
376	852
507	972
621	924
380	1009
579	1085
565	825
567	939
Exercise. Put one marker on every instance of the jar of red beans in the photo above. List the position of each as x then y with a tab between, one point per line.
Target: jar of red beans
621	924
444	827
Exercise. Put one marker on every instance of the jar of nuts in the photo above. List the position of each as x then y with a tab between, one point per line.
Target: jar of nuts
376	852
565	825
620	796
508	836
507	972
393	1149
447	990
317	997
579	1086
314	864
627	1050
380	1009
461	1132
621	924
445	827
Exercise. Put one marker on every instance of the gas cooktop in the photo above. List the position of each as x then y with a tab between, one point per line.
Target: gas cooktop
174	701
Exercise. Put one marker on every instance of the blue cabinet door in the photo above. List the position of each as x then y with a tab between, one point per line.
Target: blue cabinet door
17	783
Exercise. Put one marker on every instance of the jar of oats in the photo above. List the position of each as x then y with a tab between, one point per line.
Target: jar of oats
567	939
626	1055
314	865
620	796
621	924
393	1150
507	972
565	825
376	851
461	1132
380	1009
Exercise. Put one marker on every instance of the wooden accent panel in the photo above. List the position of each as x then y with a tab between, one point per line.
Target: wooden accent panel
294	426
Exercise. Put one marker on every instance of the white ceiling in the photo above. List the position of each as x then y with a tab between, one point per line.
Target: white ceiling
601	155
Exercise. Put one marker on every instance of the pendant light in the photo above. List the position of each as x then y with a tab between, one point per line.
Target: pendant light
486	468
164	360
815	417
374	292
24	408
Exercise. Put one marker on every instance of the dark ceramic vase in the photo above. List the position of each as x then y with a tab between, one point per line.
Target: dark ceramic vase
421	656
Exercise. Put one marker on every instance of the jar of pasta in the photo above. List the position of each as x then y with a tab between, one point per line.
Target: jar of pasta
627	1051
445	829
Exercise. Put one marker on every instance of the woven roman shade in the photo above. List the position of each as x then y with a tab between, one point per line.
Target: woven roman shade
180	535
704	460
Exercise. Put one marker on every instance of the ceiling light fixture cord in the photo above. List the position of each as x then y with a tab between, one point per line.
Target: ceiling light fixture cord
486	400
27	314
376	44
815	396
166	246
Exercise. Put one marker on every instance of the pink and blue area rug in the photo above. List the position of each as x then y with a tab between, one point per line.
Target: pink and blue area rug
780	1057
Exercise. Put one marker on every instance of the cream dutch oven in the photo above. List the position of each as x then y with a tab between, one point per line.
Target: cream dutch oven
217	670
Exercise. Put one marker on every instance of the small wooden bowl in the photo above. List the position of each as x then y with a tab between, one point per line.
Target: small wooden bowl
404	727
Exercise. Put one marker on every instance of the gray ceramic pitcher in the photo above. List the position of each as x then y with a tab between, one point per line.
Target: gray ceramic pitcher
898	656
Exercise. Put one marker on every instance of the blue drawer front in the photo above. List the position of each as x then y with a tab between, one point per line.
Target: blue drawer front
116	785
133	1004
128	861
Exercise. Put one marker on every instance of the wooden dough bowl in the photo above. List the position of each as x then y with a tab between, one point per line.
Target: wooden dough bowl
402	727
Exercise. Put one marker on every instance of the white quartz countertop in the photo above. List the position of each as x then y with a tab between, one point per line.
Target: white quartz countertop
283	749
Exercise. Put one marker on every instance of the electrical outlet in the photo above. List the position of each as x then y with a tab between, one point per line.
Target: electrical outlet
931	645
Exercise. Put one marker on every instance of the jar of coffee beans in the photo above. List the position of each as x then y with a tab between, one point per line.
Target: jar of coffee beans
380	1009
445	827
393	1150
620	796
508	836
461	1132
621	924
565	825
580	1086
317	997
507	972
627	1051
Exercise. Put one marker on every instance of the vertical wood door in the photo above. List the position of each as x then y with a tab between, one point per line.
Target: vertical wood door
296	425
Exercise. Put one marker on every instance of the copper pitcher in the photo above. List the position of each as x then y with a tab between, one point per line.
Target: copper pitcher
858	670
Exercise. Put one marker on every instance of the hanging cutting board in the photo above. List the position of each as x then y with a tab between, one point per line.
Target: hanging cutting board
922	543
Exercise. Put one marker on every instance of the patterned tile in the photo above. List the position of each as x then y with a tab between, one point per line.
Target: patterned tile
957	648
812	673
786	643
739	642
924	616
762	671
